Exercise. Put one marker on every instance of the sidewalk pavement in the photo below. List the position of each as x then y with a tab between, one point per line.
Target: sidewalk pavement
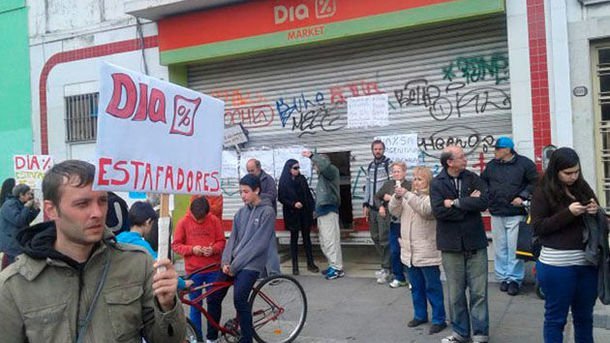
356	308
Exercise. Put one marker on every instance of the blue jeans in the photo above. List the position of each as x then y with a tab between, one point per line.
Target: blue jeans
468	271
426	287
505	232
198	280
564	288
242	287
397	266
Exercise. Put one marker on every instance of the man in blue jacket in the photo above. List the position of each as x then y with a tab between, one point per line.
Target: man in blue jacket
457	197
510	178
16	213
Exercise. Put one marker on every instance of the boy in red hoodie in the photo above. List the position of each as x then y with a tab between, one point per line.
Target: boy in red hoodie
199	238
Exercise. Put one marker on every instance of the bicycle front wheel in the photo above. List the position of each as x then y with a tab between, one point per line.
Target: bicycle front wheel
279	309
191	335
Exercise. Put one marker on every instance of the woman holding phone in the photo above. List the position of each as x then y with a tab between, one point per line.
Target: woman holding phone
561	205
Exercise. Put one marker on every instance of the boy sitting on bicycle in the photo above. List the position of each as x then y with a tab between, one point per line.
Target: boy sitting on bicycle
199	238
244	257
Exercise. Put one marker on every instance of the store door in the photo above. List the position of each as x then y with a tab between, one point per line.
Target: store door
341	160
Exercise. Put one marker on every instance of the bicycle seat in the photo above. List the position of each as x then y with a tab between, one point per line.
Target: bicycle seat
209	268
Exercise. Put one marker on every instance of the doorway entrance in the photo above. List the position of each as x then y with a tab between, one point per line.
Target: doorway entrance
341	160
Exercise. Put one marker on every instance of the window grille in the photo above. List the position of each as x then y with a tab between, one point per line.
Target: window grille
81	117
602	90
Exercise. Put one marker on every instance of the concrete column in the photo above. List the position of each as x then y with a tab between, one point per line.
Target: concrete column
520	81
558	60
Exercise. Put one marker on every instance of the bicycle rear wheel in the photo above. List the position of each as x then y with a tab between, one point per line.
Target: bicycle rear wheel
279	309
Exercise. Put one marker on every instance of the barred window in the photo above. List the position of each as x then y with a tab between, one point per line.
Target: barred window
601	95
81	117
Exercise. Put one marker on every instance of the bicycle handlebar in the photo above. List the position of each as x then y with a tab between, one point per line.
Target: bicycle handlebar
208	268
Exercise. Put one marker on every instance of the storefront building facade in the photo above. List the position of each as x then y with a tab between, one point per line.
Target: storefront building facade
286	69
453	71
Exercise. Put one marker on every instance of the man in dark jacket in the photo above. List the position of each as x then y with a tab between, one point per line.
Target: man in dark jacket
457	197
510	178
268	187
16	213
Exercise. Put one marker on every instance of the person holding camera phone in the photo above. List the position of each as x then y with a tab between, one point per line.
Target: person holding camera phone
19	210
562	205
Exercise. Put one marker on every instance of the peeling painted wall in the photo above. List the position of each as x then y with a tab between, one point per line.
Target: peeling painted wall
65	26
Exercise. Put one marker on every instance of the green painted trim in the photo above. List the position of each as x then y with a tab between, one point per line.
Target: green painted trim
178	75
15	91
181	204
456	10
11	5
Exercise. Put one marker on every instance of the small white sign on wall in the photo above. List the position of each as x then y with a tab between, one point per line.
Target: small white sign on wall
367	111
401	148
229	164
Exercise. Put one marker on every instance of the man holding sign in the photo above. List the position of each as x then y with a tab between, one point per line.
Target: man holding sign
75	284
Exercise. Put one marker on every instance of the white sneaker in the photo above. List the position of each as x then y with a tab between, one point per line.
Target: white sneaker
395	284
384	277
379	272
453	339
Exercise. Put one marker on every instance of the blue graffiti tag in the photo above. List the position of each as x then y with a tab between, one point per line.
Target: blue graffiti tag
285	108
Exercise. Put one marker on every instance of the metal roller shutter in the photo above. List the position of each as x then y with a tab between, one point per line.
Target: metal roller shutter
446	83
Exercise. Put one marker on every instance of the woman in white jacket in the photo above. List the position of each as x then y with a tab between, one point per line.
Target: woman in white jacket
418	249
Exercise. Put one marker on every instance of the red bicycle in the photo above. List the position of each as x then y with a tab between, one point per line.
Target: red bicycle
278	303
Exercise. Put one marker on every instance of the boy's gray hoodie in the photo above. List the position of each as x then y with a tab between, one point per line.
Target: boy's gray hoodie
253	229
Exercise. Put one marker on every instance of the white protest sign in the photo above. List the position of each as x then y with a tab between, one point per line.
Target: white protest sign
30	169
264	156
229	164
367	111
154	136
401	148
283	155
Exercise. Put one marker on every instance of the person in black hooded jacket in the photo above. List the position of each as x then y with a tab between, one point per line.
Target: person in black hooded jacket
298	206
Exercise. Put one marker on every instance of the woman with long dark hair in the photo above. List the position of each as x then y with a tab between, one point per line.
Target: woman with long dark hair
5	192
7	189
298	207
563	205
